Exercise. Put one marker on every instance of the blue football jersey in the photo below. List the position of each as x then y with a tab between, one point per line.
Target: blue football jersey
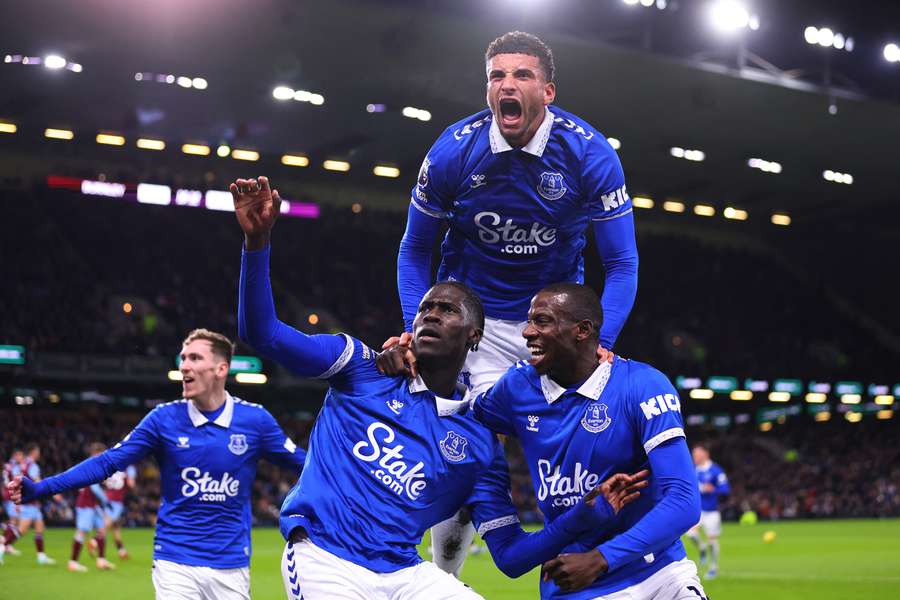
711	473
387	460
574	439
518	216
206	472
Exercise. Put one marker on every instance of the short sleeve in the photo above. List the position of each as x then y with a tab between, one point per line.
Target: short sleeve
492	408
603	181
433	192
655	409
490	501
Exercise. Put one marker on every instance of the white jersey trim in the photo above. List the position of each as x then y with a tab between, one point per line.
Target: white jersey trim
621	214
341	361
498	523
665	436
428	211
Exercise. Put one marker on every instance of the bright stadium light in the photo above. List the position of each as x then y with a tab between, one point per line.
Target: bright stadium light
8	128
184	82
884	414
386	171
742	395
223	151
641	202
416	113
175	375
150	144
294	160
853	417
110	139
766	166
816	398
195	149
255	378
239	154
851	399
827	38
781	219
730	16
704	210
735	214
673	206
822	417
614	142
884	400
701	394
779	396
282	92
837	177
59	134
891	52
336	165
199	83
54	61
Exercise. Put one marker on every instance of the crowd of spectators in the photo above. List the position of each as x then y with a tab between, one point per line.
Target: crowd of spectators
74	261
800	470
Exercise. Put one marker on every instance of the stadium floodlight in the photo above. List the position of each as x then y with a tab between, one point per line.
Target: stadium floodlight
336	165
884	414
704	210
641	202
110	139
375	108
195	149
853	417
254	378
677	152
54	61
851	399
765	426
240	154
282	92
673	206
891	52
170	79
816	398
174	375
223	151
184	82
701	394
614	142
766	166
884	400
779	396
630	2
317	99
781	219
295	160
8	128
730	16
150	144
386	171
742	395
138	76
822	417
199	83
735	214
416	113
828	38
59	134
687	154
837	177
151	193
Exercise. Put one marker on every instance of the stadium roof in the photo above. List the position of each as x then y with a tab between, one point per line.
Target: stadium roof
428	55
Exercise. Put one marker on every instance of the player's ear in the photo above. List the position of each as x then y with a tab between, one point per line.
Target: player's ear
474	339
584	329
549	92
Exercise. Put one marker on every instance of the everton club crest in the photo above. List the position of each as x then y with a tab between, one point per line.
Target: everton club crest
453	447
552	186
595	418
238	443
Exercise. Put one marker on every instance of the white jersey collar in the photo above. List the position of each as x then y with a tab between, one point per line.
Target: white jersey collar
445	406
535	146
223	420
592	388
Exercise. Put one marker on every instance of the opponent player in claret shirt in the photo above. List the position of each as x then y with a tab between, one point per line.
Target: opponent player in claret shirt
90	515
390	456
207	446
713	486
116	488
22	518
11	469
518	184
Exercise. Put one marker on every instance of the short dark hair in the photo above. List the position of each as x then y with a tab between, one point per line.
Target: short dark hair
519	42
31	447
470	300
221	345
582	302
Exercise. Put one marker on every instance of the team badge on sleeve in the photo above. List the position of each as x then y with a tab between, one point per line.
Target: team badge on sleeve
238	443
552	186
453	447
595	418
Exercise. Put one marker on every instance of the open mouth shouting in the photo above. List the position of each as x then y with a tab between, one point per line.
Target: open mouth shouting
510	112
427	335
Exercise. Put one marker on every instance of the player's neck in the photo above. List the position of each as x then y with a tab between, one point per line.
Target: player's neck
573	372
210	402
440	378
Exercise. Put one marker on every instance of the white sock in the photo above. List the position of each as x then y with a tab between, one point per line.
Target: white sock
714	559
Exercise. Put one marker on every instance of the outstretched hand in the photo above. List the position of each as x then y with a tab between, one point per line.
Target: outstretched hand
397	357
257	208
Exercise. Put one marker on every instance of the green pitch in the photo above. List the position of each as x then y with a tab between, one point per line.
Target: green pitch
828	560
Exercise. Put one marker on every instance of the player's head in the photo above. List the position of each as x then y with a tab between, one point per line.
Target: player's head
205	361
33	451
96	448
520	84
449	323
700	453
17	455
563	322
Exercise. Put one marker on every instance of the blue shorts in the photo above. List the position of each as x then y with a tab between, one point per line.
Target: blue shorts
12	511
31	512
89	518
115	510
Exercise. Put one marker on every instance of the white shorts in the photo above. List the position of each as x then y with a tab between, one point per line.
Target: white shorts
676	581
311	573
174	581
500	348
711	523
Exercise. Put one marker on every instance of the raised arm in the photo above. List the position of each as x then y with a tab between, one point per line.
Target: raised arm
257	208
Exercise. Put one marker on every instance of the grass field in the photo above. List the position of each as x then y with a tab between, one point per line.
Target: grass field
831	560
